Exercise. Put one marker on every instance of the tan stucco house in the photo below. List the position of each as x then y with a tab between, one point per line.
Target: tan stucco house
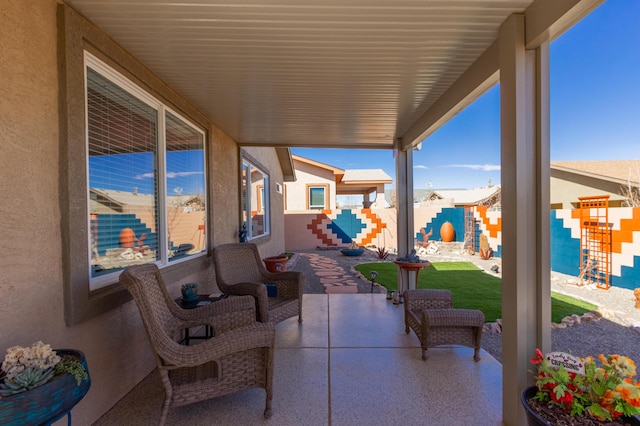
317	185
194	98
573	179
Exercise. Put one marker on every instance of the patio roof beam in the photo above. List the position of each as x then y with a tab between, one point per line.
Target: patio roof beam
477	79
545	20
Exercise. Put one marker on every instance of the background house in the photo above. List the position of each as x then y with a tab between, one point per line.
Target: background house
317	186
573	179
484	196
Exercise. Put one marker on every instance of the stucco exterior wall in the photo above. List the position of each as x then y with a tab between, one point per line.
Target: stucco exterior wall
29	215
307	174
566	188
273	243
38	174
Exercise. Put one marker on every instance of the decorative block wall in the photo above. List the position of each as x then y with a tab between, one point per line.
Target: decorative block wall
341	227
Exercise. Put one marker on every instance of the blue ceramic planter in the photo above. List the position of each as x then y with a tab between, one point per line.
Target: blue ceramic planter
48	402
352	252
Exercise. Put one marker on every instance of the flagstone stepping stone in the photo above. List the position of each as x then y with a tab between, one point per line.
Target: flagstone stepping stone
326	274
342	290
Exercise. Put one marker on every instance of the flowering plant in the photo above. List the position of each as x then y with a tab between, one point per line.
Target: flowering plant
604	392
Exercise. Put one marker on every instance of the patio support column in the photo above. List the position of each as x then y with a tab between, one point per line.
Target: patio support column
404	206
366	200
524	141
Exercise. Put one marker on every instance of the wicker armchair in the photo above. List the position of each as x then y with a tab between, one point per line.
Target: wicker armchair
430	314
240	271
239	356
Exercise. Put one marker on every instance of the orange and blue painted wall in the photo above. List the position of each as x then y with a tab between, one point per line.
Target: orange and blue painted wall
364	226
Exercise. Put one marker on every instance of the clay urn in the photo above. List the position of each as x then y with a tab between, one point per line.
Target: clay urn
447	233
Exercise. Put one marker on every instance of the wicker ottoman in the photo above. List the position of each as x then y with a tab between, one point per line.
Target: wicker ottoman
442	325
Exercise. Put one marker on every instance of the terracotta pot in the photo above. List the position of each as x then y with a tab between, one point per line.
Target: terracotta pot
410	266
275	263
486	254
447	233
127	237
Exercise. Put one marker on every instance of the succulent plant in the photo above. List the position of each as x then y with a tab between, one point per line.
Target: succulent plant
28	379
73	367
38	356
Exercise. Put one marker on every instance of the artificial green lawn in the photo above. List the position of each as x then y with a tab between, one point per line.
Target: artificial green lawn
471	288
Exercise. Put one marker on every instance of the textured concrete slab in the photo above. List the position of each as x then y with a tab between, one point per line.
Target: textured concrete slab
350	362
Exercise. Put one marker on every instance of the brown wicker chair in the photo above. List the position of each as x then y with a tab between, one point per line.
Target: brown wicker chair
240	271
430	314
239	356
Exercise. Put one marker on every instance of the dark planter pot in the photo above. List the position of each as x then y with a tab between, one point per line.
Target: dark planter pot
275	263
48	402
352	252
533	419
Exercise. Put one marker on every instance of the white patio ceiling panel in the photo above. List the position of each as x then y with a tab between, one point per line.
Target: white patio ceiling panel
306	73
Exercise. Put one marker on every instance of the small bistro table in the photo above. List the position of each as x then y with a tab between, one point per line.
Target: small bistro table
203	299
409	267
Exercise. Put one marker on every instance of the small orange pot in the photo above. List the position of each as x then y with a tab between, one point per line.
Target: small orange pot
275	263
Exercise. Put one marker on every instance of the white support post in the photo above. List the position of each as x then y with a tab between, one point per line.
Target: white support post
404	206
524	144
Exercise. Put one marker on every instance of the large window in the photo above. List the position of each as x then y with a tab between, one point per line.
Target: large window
317	197
146	168
255	200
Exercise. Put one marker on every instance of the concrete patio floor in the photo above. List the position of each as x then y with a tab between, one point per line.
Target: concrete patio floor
350	362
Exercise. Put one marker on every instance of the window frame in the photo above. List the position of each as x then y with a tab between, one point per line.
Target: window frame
262	196
326	189
160	170
77	35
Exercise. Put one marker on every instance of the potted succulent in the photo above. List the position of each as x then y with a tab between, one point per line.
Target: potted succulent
39	384
582	391
412	262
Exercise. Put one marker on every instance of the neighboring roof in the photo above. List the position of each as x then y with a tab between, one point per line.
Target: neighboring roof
121	198
286	164
620	171
468	196
352	181
365	175
336	171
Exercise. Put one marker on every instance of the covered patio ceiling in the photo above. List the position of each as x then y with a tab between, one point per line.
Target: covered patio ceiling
330	73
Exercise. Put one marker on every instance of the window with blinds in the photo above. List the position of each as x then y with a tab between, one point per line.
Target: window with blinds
146	177
255	200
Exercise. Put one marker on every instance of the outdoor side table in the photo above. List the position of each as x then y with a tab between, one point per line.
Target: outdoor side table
203	299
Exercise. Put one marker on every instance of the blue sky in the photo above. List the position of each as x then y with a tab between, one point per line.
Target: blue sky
185	172
595	110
